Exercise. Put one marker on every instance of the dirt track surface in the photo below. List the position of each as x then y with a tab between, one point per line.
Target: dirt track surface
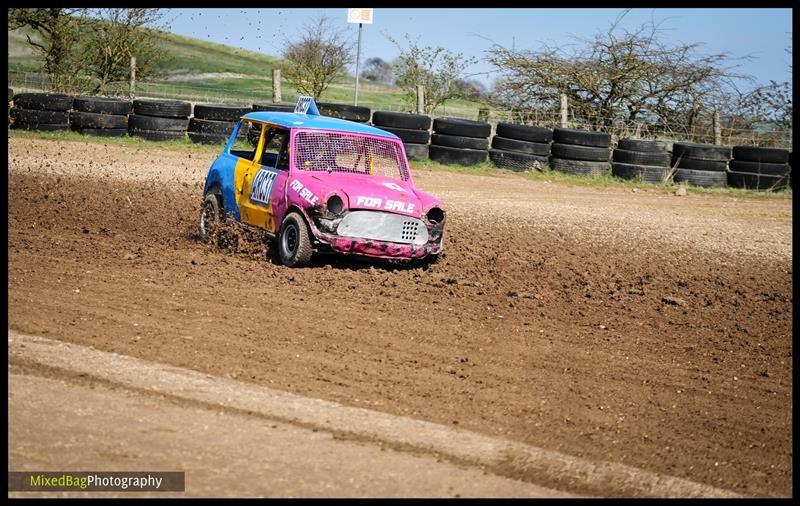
643	328
223	453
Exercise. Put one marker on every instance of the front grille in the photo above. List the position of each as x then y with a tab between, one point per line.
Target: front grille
381	226
409	232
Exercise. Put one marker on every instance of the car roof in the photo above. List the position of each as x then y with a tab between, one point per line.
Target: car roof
293	120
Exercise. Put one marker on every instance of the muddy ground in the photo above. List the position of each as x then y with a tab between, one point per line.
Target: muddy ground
641	328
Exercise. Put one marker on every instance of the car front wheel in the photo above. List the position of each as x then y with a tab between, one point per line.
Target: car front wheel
294	243
209	217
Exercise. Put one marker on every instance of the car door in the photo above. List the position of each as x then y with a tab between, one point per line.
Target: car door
264	181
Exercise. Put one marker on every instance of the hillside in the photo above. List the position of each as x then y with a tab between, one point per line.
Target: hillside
206	71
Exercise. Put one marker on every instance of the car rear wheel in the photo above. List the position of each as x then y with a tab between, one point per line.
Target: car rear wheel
209	217
294	243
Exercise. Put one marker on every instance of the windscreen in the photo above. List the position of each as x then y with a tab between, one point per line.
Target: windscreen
330	151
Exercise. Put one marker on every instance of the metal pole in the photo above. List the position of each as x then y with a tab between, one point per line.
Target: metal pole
358	59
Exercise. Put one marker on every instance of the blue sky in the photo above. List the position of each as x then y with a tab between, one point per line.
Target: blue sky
764	34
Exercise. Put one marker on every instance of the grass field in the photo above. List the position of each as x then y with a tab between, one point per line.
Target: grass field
205	71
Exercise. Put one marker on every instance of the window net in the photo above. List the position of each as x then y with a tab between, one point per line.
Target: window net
345	152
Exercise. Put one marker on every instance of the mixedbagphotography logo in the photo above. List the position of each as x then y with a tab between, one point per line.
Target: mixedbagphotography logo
89	481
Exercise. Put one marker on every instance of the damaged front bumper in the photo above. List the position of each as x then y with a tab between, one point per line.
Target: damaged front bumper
402	238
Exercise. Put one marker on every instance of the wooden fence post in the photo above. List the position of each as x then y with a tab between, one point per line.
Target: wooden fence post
717	129
563	110
133	77
420	99
276	86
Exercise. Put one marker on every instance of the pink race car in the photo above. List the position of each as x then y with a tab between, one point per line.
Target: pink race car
316	183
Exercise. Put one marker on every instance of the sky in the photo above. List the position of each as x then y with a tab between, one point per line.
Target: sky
764	34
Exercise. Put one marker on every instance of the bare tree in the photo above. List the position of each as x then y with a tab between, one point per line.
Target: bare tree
436	68
59	30
769	104
321	55
378	70
618	74
470	88
114	36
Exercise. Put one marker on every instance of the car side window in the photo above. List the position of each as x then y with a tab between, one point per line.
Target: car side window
276	149
244	146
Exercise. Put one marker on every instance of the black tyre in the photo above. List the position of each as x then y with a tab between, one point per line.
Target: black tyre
343	111
44	101
42	127
102	105
38	117
524	133
581	137
456	141
771	169
217	112
685	162
401	120
207	126
702	151
579	167
462	127
416	151
294	241
407	135
515	160
642	146
757	181
201	138
571	152
645	173
273	107
520	146
103	132
706	178
652	158
138	122
78	119
158	135
162	108
210	217
753	154
447	155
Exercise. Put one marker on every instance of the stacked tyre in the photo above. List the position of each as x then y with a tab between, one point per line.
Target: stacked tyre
343	111
759	168
100	116
580	152
10	101
213	123
413	130
41	111
159	120
701	164
648	161
460	141
520	147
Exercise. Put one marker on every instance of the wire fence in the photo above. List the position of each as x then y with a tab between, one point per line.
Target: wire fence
702	130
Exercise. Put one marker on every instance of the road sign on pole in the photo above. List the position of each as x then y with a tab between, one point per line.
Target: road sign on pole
359	16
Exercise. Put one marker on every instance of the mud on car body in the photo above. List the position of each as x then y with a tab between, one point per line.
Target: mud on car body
316	183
